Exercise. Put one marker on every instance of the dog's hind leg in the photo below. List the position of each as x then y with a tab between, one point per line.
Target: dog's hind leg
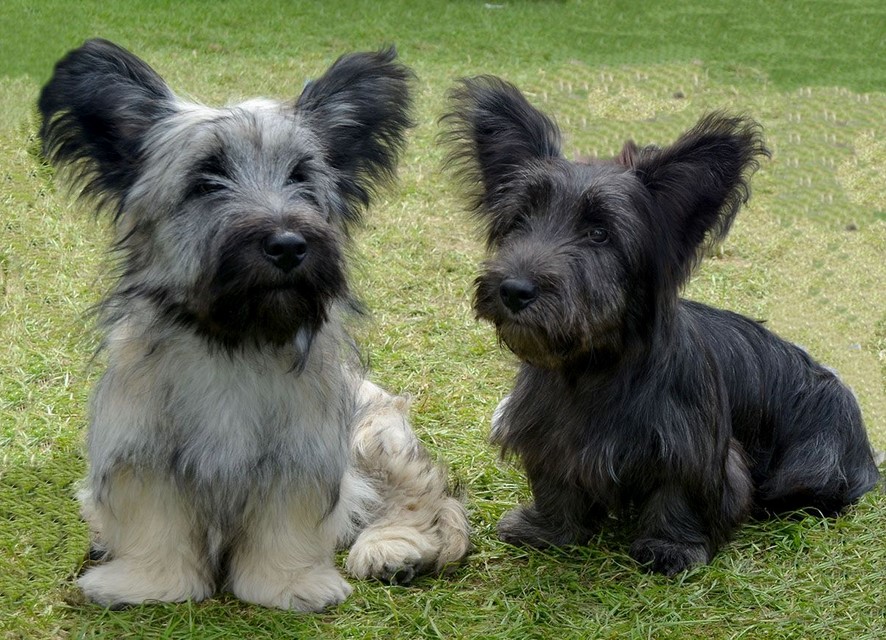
418	526
824	461
150	547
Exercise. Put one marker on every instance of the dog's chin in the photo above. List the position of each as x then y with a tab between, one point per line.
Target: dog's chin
534	347
278	315
282	313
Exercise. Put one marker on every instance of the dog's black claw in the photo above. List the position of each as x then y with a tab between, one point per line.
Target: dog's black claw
668	558
398	574
95	554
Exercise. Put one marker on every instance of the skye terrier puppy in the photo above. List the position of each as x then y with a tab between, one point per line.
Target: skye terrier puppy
233	440
630	399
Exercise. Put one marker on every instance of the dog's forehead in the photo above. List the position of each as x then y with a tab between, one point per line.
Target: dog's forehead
601	176
257	127
605	184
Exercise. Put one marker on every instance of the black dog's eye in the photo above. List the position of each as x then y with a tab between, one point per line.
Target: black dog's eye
598	235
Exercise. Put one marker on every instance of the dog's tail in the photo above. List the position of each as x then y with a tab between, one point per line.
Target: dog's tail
420	526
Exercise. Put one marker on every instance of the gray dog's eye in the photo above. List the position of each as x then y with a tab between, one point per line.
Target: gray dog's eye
204	187
210	177
298	175
598	235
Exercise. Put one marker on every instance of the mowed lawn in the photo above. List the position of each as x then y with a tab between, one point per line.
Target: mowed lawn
808	256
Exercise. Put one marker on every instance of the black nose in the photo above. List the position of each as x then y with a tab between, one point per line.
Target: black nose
285	250
517	293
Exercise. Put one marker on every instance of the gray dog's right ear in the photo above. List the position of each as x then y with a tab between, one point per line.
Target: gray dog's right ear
495	135
96	111
360	110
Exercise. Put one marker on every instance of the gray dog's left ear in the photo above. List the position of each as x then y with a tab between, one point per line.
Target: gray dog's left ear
97	109
360	109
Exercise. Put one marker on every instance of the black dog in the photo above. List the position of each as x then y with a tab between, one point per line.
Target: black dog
630	399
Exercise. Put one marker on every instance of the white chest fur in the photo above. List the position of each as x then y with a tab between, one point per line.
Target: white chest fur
207	415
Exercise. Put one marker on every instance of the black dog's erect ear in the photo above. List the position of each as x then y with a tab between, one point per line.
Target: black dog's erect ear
360	108
700	182
495	135
96	110
630	154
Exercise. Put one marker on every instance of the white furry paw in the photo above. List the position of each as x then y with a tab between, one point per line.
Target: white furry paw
122	581
391	554
315	590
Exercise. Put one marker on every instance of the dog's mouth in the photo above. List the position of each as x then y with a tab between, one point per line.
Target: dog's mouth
535	346
276	289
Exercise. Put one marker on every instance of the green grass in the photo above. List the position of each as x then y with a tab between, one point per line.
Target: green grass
807	255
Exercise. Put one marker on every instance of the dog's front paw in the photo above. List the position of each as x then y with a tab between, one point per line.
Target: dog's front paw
391	554
122	582
315	590
524	525
667	557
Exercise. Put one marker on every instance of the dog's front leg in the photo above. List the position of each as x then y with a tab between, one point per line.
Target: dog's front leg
285	559
674	535
148	534
560	515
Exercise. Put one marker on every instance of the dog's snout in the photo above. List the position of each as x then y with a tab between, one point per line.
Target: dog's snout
517	293
285	250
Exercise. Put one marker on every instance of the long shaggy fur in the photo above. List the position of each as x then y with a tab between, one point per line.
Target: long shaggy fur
682	417
233	440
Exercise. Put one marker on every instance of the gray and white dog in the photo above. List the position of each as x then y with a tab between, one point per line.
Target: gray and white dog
234	441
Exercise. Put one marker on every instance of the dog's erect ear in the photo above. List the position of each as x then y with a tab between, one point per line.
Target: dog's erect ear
630	154
700	182
360	109
96	110
495	135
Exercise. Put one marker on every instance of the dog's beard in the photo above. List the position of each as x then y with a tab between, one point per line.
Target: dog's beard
246	300
553	337
274	315
555	329
542	334
535	347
